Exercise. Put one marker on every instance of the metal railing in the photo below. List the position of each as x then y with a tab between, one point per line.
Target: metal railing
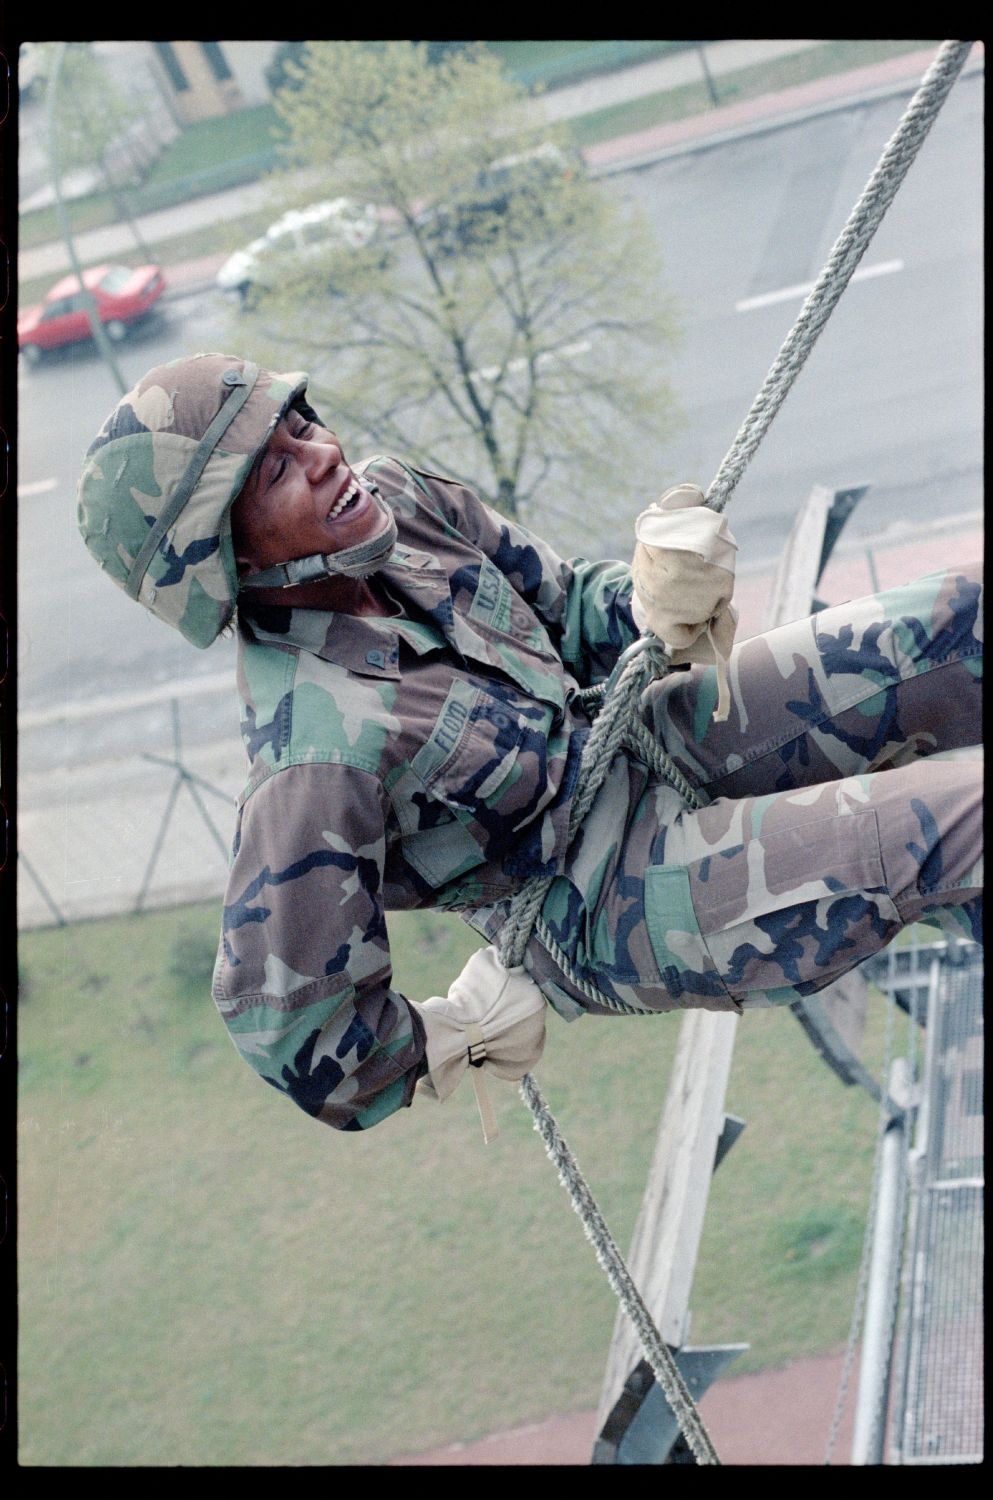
921	1389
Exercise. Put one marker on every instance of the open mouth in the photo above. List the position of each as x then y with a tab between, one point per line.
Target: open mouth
345	500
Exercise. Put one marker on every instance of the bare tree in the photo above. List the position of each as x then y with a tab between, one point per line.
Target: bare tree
91	114
509	321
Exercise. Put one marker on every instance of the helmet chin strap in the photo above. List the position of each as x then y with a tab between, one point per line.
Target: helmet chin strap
351	562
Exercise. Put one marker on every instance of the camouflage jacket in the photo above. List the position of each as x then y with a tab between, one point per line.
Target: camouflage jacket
421	760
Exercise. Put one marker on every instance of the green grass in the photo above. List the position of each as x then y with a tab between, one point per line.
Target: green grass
555	64
209	1277
205	145
209	143
41	225
733	88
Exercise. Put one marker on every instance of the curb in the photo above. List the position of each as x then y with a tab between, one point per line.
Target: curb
863	99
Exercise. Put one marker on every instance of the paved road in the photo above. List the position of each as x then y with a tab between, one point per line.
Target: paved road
893	391
892	396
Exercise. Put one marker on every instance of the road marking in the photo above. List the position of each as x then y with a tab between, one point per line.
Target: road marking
110	705
788	293
38	487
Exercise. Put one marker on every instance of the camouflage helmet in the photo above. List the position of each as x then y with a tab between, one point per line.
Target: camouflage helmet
160	477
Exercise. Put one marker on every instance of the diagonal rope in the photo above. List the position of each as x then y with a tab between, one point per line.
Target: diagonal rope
605	738
666	1370
646	658
850	246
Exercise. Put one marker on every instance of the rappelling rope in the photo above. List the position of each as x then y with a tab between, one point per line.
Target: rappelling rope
619	716
848	250
610	1258
620	711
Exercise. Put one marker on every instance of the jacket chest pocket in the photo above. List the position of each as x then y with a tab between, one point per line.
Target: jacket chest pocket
496	605
472	751
511	637
448	801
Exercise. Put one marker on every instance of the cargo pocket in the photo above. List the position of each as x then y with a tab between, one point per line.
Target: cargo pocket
686	968
795	906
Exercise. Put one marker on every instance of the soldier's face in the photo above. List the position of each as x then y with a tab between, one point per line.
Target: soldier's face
300	498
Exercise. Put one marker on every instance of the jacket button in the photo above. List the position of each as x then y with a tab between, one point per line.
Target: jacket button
376	658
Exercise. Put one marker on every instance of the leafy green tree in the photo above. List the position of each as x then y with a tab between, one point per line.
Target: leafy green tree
507	324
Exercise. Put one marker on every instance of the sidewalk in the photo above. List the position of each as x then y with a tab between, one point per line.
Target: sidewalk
772	1417
898	75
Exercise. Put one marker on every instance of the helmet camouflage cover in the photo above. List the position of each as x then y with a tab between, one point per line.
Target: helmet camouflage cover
160	477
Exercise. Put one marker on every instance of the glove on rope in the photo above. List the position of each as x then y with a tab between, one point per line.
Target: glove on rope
492	1018
683	572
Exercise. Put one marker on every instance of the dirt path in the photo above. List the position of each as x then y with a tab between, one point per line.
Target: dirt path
777	1417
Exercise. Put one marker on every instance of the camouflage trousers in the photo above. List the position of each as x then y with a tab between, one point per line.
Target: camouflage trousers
835	814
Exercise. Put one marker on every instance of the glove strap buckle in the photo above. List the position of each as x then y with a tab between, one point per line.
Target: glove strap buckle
477	1045
476	1049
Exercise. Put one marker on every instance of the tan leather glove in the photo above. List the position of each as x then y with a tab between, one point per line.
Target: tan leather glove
492	1019
683	572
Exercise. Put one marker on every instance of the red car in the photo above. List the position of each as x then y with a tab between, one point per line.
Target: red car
123	297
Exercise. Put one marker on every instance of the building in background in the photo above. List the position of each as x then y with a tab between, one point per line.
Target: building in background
195	80
173	83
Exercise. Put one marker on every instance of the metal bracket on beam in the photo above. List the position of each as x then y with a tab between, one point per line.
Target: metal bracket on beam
841	507
733	1126
814	1020
808	548
642	1428
834	1019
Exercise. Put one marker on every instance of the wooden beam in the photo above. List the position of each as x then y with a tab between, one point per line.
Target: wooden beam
667	1235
